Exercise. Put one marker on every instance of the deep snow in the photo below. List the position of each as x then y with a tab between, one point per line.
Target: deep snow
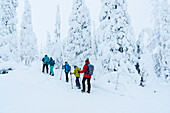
27	90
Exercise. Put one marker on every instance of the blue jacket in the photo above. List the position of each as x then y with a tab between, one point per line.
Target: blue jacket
46	60
67	68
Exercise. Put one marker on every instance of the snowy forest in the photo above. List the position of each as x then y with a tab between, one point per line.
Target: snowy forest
121	58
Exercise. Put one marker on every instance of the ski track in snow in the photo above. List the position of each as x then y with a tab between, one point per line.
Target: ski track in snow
27	90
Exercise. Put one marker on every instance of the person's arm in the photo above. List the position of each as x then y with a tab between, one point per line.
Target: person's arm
79	70
74	72
63	66
43	59
84	69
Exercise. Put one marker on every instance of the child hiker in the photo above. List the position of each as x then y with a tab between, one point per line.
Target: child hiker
77	75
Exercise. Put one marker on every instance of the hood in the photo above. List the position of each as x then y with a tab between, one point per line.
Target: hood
87	62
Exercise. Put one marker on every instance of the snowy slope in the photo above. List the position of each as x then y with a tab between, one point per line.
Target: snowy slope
27	90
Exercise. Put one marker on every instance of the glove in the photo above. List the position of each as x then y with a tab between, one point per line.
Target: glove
78	71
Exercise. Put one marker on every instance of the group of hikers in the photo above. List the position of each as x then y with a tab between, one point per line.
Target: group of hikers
87	70
46	62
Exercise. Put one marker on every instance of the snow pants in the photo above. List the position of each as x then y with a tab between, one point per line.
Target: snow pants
77	82
88	83
66	76
51	70
45	65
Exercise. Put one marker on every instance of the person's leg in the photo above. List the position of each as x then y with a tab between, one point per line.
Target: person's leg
83	84
89	85
46	67
43	68
66	77
78	83
52	72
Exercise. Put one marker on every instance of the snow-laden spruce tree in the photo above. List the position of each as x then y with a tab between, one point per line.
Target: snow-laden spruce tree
8	30
57	51
161	33
95	41
28	40
48	47
141	53
57	25
79	39
165	38
116	41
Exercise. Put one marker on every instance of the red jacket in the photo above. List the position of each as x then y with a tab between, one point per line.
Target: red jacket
85	70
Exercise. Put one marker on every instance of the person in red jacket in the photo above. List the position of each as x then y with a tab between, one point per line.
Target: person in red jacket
86	76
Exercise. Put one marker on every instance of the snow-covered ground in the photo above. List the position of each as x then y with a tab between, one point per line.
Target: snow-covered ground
27	90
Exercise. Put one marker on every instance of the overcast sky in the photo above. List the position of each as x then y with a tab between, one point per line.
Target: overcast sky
44	11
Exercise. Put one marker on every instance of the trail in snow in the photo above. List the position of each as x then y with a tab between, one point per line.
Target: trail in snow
27	90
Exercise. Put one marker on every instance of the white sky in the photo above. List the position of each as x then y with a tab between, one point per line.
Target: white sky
44	11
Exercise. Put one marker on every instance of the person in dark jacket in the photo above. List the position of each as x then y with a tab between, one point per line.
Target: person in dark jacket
67	70
45	63
52	62
86	76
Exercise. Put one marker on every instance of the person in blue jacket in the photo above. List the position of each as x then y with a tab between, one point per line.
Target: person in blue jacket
67	70
45	63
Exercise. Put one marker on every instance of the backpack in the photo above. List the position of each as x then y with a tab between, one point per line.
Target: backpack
68	68
52	62
90	69
46	60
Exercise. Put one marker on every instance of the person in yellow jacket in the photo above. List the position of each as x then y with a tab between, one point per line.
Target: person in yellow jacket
77	75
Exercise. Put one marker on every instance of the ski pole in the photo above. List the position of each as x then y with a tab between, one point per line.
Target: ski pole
61	73
71	81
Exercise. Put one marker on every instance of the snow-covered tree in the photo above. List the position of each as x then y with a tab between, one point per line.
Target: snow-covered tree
116	43
161	34
95	41
56	44
28	40
115	35
8	30
141	52
57	25
165	38
79	39
48	47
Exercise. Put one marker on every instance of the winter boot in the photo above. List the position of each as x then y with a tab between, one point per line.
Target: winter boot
88	92
82	91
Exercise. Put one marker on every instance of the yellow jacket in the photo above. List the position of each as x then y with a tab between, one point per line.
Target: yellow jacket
76	72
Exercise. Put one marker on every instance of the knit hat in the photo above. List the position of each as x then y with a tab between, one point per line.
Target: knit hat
87	59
